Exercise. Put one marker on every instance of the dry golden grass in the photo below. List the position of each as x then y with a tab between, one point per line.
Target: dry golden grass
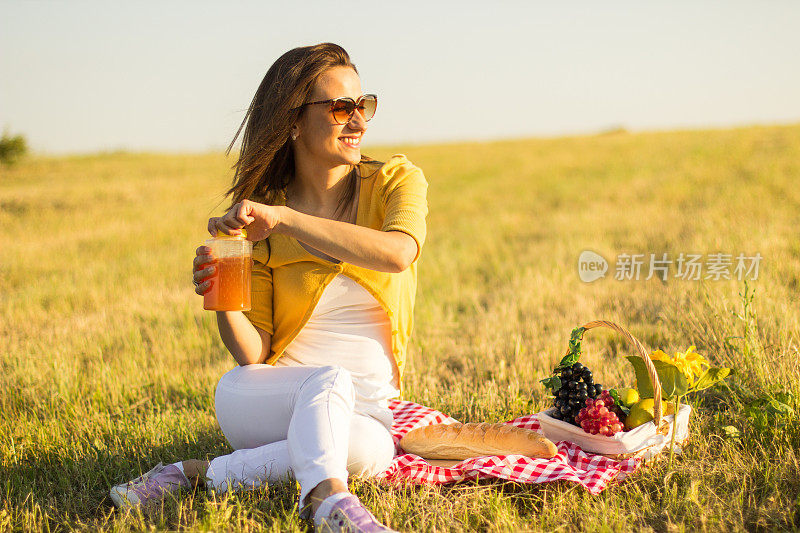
109	363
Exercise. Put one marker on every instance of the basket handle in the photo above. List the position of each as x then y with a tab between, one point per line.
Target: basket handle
651	370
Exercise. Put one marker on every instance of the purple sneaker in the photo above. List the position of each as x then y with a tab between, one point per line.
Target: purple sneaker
150	486
350	516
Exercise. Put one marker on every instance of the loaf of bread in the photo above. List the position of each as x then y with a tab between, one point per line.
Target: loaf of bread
463	441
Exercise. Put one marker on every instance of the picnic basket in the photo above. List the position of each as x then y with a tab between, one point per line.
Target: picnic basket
645	441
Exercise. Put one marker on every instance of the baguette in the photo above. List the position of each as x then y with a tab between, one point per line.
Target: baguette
463	441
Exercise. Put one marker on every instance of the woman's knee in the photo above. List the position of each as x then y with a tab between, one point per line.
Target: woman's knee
224	385
229	377
233	379
371	448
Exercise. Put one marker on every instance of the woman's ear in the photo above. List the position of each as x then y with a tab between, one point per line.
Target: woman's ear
295	132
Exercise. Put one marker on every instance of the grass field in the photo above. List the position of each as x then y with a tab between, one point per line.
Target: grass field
109	362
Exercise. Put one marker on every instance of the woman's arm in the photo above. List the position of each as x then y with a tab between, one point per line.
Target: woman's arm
386	251
247	343
391	249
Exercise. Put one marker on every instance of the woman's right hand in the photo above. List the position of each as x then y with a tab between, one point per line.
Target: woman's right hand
203	269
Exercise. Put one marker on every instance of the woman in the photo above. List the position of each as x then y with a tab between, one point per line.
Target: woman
336	239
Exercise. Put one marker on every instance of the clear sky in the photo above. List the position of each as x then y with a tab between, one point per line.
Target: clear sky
83	76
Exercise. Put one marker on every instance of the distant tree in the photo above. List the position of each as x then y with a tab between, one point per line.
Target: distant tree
12	148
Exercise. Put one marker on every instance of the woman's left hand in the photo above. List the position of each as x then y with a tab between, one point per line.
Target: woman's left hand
259	220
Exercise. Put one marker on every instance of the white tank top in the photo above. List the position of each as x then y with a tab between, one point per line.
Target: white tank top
349	328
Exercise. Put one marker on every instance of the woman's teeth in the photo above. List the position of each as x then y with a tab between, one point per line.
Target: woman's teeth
351	141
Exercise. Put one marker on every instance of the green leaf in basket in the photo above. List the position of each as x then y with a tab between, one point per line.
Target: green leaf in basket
642	379
577	333
574	352
553	383
710	377
618	401
568	360
615	395
673	382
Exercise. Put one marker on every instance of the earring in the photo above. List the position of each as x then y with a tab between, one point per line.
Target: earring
294	136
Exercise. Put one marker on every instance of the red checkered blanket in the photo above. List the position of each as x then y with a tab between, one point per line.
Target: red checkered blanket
571	463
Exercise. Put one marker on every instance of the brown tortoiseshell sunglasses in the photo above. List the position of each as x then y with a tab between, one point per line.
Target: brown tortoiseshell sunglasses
343	108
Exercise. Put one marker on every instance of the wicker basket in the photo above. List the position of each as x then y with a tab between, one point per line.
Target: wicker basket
644	441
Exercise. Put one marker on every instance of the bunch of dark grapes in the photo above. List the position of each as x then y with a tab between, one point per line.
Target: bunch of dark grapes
599	416
577	385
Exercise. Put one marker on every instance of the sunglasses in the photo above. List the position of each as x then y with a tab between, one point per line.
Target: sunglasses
343	108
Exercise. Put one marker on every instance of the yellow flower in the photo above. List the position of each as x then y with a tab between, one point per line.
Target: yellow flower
698	363
685	368
658	355
690	363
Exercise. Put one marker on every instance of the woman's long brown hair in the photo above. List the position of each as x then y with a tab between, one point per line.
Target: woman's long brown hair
266	158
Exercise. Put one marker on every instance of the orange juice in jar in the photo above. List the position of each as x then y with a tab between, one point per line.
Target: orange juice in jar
230	283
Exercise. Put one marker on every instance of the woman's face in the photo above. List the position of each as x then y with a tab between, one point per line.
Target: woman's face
318	134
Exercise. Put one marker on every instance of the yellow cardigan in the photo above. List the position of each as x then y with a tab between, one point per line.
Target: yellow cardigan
288	281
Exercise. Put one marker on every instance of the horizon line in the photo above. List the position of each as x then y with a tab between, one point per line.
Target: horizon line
610	130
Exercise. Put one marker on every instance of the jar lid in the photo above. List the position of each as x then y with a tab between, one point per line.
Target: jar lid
221	235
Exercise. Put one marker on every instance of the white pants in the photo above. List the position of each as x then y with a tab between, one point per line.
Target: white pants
294	421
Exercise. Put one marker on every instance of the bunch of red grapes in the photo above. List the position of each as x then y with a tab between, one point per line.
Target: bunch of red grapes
601	416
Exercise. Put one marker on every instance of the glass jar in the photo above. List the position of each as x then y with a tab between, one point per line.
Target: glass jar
230	283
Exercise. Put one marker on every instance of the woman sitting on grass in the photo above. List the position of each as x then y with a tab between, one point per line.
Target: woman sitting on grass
336	239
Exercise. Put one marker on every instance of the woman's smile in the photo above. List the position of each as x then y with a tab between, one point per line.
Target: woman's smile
351	141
